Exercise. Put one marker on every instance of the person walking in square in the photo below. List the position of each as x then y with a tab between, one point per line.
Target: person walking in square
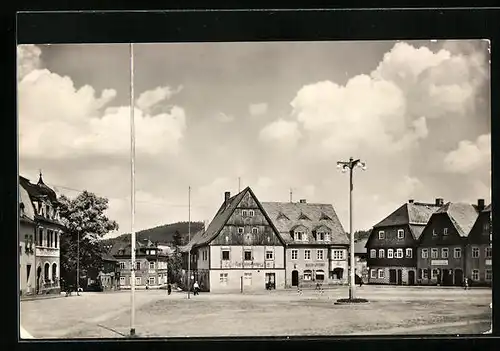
196	288
466	283
169	288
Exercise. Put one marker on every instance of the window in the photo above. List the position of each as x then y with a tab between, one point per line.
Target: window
434	233
399	253
434	253
425	274
475	252
373	273
320	236
223	278
138	266
381	253
151	280
489	274
225	255
444	252
248	255
138	281
295	254
299	236
457	252
401	233
487	252
251	213
122	265
380	273
475	274
255	230
240	230
445	231
152	264
319	254
307	275
40	237
339	254
55	239
327	236
320	275
244	213
434	273
409	253
390	253
122	280
486	228
307	254
381	234
373	253
269	255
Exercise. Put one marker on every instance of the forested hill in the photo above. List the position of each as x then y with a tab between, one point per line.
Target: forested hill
162	234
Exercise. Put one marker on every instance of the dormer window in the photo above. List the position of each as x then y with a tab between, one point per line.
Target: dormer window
320	236
445	231
299	236
304	217
381	235
327	237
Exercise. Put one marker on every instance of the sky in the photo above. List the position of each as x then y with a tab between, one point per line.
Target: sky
274	116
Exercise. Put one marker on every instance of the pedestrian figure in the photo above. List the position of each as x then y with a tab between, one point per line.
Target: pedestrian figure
196	288
299	290
466	283
169	288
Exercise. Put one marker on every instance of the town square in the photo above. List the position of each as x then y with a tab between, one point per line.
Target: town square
201	190
390	311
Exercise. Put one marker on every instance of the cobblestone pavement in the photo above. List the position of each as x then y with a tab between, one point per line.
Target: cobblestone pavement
282	313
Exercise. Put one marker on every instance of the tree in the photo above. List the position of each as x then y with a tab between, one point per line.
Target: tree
85	221
175	260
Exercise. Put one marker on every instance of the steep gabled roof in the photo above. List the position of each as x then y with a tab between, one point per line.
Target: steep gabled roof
24	199
223	215
416	213
462	215
315	213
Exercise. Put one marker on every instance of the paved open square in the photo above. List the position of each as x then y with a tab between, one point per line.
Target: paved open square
391	310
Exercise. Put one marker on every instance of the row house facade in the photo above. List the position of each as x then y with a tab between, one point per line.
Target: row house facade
241	249
456	244
316	243
151	265
43	242
392	244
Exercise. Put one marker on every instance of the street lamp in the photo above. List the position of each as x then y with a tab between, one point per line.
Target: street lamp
345	166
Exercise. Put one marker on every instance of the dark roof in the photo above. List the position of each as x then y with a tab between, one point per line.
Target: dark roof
38	191
107	257
280	211
194	239
127	247
462	215
222	216
416	213
487	208
360	246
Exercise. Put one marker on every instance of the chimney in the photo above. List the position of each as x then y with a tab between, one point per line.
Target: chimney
227	195
411	201
302	201
439	202
480	204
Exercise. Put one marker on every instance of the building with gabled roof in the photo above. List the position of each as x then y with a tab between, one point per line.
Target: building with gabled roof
316	243
479	251
441	252
47	235
241	249
27	230
393	241
150	266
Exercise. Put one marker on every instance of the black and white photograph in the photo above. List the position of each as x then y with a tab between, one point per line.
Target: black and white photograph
254	189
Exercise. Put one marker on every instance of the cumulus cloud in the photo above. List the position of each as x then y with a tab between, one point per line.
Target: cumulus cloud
58	120
469	156
286	132
28	59
152	97
224	118
393	103
258	109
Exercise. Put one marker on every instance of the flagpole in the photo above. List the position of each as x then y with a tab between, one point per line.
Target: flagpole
189	241
132	197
